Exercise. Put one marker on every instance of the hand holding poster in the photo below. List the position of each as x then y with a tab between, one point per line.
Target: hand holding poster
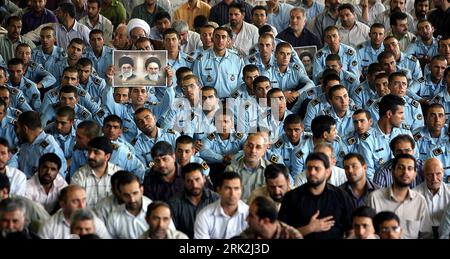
139	68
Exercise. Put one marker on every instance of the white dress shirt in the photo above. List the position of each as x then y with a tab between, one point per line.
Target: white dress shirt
337	177
57	227
17	181
105	206
246	38
193	42
213	223
436	203
35	191
96	188
124	225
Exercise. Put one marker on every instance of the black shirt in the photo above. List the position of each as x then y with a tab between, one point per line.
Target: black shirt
157	189
184	212
307	38
299	205
219	13
440	20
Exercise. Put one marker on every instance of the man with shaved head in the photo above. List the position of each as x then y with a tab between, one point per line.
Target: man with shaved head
435	191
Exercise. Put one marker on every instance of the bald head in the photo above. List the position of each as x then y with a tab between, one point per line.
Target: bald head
434	173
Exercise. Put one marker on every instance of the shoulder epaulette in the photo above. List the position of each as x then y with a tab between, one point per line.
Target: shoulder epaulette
211	136
235	94
351	140
406	126
351	79
100	113
274	159
358	90
171	131
204	165
417	136
411	57
97	81
189	58
239	135
84	115
319	54
365	135
415	103
82	92
299	154
438	151
350	52
14	90
354	63
115	146
44	144
54	93
199	57
315	102
421	80
28	84
279	143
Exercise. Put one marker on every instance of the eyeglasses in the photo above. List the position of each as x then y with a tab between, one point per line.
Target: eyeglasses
390	229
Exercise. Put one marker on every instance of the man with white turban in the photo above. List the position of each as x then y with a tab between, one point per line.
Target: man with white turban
137	28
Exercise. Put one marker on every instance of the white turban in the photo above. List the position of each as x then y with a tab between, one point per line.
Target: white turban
138	23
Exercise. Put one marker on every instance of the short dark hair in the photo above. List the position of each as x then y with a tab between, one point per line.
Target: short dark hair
333	57
180	71
15	62
329	77
395	16
389	102
90	128
191	167
95	31
264	29
169	31
12	18
272	171
396	74
365	212
375	68
401	138
30	119
259	7
359	111
292	119
334	89
384	55
50	157
67	89
200	21
77	41
160	16
115	178
397	158
112	118
84	62
228	176
249	68
346	6
321	124
237	5
355	155
154	205
260	79
162	148
266	208
318	156
67	7
184	139
377	25
127	178
384	216
4	142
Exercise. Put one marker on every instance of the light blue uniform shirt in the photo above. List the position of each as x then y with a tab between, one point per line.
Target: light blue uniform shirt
215	148
367	55
143	144
53	63
29	154
374	147
8	132
100	64
66	142
419	49
37	73
223	73
17	99
411	63
349	60
426	144
31	92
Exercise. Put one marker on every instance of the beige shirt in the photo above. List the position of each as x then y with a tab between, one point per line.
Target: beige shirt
96	187
251	179
436	203
262	191
413	212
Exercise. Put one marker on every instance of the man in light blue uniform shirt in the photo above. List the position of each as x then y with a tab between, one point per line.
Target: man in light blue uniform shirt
407	61
35	143
7	127
365	94
92	84
150	134
431	84
273	117
348	55
374	146
28	87
426	46
32	70
63	129
14	98
369	50
218	66
413	115
98	53
47	53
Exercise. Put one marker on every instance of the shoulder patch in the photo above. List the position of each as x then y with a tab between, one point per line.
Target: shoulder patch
28	85
199	57
82	93
97	81
17	112
279	143
315	102
415	103
189	58
351	140
297	67
100	113
360	46
310	92
351	79
421	80
413	58
299	154
417	136
350	52
438	152
150	164
419	116
319	54
14	90
365	135
354	63
22	99
358	90
274	159
54	93
239	135
204	165
235	94
211	136
32	64
84	115
44	144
